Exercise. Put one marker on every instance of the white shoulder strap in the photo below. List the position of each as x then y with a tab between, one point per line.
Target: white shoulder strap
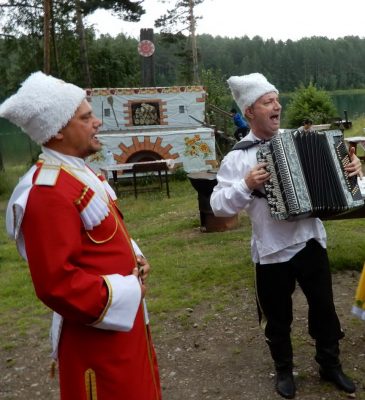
48	175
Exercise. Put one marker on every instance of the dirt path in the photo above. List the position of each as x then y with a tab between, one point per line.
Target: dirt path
220	357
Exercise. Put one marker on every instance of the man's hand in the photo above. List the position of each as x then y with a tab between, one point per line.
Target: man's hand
257	176
141	272
143	268
354	168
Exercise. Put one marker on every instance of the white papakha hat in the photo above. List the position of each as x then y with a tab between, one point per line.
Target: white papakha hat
247	89
42	106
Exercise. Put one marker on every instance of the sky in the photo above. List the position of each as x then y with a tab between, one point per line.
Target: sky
279	19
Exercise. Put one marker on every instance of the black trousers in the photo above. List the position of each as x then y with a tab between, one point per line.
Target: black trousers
275	284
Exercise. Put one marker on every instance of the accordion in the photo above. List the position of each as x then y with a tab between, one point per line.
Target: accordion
307	175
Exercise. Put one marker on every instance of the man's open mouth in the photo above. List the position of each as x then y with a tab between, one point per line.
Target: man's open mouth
275	117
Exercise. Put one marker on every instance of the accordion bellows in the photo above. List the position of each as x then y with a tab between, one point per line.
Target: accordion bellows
307	175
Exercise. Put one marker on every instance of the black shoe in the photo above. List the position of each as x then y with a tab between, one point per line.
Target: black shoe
285	384
337	376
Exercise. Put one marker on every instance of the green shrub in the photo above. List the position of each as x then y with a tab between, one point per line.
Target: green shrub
5	186
309	102
180	174
9	178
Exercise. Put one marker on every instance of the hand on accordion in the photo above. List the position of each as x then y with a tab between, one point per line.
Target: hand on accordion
257	176
354	167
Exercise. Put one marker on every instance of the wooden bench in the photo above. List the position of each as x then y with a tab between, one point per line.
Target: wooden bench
132	169
158	167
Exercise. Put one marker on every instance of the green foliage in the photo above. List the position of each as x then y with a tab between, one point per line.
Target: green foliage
114	62
180	174
309	102
218	95
8	180
178	18
4	184
358	124
169	50
125	9
22	25
216	88
330	64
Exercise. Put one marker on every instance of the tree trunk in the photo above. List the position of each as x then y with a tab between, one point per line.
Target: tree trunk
83	50
46	37
54	43
193	43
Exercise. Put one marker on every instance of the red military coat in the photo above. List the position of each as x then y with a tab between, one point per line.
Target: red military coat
105	350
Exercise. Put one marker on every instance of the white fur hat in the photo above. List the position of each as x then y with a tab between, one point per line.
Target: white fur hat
42	106
247	89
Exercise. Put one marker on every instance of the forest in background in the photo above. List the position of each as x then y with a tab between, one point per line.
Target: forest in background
329	64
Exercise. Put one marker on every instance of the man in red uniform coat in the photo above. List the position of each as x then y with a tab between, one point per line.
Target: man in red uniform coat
83	264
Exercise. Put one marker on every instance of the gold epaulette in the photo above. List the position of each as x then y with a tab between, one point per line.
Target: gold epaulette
48	175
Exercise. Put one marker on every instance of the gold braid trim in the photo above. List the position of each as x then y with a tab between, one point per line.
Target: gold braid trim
90	385
149	352
110	299
123	231
52	371
83	194
104	240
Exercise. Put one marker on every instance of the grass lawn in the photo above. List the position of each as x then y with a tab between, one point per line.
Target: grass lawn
189	267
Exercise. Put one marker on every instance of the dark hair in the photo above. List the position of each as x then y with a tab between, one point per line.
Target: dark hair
233	110
307	121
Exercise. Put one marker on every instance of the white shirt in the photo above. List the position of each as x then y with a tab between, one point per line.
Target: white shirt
272	241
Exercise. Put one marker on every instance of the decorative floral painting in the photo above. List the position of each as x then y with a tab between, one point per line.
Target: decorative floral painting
195	147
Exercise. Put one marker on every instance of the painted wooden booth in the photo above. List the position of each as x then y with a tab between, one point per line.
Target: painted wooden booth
147	124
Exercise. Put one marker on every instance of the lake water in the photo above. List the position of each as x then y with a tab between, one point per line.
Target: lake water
354	104
17	148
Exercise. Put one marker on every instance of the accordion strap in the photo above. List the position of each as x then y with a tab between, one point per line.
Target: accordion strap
247	144
259	194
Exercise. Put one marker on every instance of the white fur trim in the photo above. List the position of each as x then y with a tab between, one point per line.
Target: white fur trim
124	300
247	89
42	106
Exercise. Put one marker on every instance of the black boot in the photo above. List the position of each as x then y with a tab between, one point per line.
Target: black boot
282	354
338	377
285	385
330	368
